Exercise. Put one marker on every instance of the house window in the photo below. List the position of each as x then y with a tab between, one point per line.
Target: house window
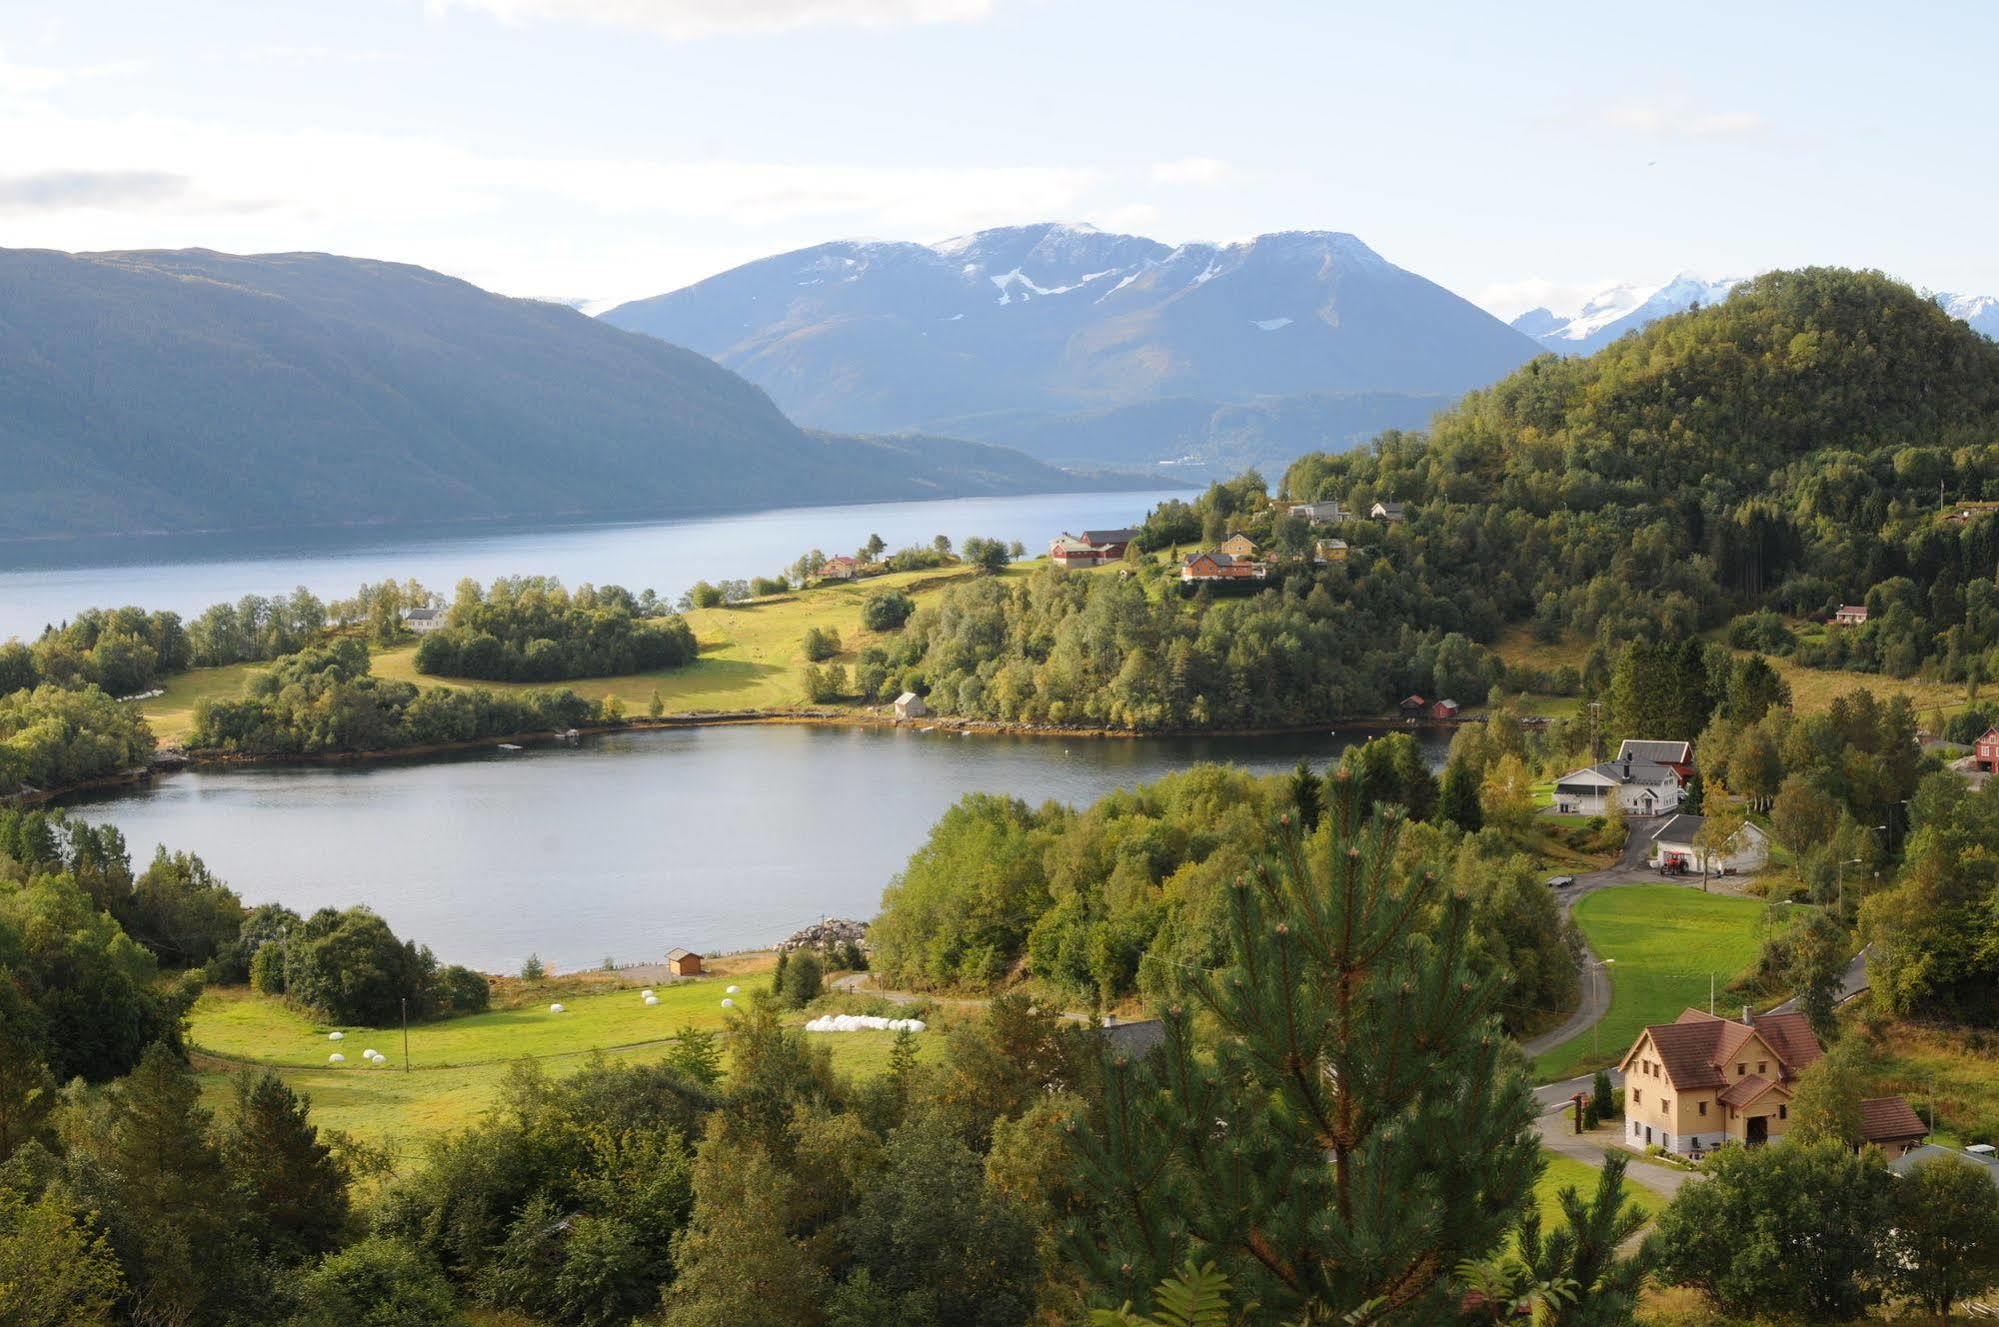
1783	1112
1762	1066
1665	1106
1703	1108
1741	1069
1637	1095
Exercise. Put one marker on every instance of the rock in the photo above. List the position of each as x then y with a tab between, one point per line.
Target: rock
828	935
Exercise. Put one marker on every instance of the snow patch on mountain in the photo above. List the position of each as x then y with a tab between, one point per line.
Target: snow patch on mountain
1981	311
1622	308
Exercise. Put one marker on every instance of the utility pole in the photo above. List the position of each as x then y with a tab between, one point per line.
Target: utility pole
405	1003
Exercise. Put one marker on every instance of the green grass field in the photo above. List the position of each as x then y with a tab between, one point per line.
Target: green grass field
1667	940
1568	1173
457	1065
751	656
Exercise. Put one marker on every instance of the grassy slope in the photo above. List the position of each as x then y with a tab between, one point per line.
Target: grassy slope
1666	939
457	1065
1812	689
751	656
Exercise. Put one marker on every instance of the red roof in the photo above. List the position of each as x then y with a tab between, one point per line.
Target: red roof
1745	1090
1698	1048
1889	1120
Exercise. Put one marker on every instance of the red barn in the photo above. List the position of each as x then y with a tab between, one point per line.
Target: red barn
1988	750
1444	709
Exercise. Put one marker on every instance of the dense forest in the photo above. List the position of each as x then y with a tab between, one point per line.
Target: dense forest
531	629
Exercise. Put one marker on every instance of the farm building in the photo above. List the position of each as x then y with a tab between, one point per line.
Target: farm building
909	705
1675	846
683	963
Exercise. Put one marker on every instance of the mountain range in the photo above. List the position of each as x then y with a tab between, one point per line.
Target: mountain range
1044	337
188	390
1611	313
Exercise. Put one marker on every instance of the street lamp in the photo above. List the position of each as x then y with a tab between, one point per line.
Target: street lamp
1596	1028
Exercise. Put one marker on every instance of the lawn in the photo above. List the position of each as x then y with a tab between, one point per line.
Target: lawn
1667	940
457	1065
751	656
1569	1173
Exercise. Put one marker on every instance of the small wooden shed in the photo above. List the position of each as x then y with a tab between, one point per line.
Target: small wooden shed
909	705
683	963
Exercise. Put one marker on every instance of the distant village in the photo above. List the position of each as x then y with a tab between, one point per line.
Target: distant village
1235	559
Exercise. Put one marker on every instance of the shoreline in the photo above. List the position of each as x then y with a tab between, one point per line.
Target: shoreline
169	760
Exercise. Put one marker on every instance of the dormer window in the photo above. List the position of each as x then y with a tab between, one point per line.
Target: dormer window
1762	1066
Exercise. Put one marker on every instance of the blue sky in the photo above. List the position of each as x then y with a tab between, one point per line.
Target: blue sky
606	149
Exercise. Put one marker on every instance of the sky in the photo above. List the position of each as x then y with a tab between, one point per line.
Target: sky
599	150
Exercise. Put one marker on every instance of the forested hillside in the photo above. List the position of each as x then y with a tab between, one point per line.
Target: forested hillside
197	390
1794	448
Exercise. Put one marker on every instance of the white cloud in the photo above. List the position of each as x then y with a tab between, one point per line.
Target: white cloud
1509	299
687	20
1674	120
19	81
59	190
1193	171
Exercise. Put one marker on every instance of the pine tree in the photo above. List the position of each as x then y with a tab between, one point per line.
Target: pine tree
1352	1132
1305	796
172	1195
1583	1252
1458	802
293	1189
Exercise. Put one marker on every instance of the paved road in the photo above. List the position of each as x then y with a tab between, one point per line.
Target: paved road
1630	870
1591	1148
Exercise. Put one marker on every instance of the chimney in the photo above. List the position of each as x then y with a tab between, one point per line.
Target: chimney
1748	1016
1627	769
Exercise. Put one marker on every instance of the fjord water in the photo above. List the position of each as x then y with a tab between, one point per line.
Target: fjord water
629	844
49	581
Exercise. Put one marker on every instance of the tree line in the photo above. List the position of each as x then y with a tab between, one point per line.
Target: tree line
531	629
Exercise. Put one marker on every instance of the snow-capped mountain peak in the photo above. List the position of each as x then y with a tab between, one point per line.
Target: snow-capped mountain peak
1626	307
1981	311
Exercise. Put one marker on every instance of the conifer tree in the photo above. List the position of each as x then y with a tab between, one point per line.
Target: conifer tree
294	1190
1345	1126
1458	803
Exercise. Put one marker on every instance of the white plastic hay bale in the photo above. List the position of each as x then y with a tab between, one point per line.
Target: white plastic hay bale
728	1004
370	1053
864	1023
336	1058
652	999
336	1036
646	994
556	1009
732	990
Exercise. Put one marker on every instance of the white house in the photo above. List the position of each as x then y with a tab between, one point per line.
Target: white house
423	621
1747	850
909	705
1320	513
1641	787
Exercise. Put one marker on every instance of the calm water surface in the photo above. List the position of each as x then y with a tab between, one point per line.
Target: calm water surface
49	581
625	845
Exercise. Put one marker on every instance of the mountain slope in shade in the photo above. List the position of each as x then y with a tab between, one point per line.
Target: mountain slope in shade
1611	313
198	390
1053	320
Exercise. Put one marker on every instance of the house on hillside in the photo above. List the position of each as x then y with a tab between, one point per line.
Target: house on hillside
423	621
1112	542
1891	1124
1392	512
1985	752
1850	615
1329	550
683	962
1965	512
1220	567
1676	848
1678	755
1068	551
1701	1082
839	567
1238	546
1320	513
1444	709
1641	787
909	705
1413	706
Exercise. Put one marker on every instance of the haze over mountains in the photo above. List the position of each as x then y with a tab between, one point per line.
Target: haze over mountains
1049	337
193	390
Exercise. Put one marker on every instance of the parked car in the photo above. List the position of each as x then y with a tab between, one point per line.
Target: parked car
1560	881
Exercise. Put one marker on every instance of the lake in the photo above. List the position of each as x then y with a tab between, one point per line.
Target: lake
628	844
47	581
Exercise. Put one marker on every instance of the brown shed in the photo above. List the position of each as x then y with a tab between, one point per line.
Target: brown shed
683	963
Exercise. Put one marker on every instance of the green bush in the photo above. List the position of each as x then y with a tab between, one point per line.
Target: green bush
886	610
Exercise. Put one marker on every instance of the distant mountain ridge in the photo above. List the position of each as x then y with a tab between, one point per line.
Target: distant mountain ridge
191	390
1036	323
1611	313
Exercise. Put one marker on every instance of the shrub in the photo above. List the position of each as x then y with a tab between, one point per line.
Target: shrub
821	644
377	1283
886	610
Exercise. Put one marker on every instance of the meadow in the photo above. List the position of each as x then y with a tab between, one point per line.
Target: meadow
751	655
1667	941
455	1066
